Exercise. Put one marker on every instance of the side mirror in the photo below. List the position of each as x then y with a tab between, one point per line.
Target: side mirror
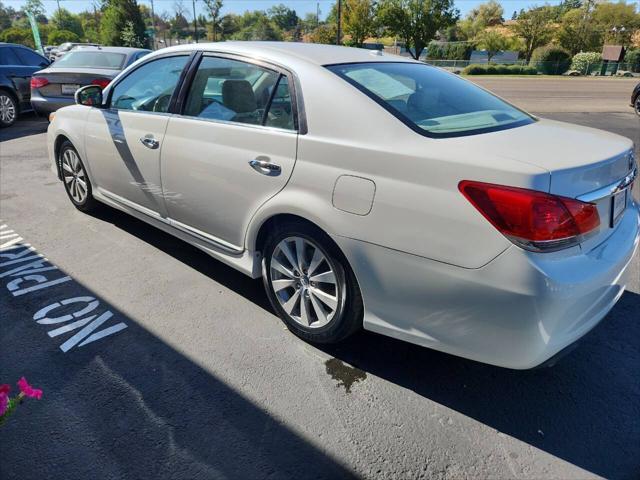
89	95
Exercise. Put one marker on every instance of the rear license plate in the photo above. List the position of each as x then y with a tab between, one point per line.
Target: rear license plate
69	88
618	204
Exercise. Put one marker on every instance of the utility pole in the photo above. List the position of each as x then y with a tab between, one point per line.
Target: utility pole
153	27
317	14
339	34
195	22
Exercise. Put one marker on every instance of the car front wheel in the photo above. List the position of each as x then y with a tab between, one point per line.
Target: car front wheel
637	105
310	285
8	109
75	178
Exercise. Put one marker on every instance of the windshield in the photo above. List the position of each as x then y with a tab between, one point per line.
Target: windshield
432	101
92	59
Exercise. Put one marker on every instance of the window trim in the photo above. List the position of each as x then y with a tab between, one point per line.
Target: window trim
412	125
297	106
106	104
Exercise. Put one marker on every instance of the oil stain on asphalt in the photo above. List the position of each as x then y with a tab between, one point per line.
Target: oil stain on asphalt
344	374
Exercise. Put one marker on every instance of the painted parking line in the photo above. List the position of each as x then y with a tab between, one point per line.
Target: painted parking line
25	272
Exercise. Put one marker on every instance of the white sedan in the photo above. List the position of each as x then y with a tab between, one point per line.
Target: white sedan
367	190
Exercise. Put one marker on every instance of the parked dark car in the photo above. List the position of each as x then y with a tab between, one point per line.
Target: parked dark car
17	64
635	99
55	86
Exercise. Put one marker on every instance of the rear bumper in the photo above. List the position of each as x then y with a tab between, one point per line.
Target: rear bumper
517	311
46	105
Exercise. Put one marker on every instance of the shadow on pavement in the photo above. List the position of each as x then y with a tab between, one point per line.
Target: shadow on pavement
28	124
584	410
131	406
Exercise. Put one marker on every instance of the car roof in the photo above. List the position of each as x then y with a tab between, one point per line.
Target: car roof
315	53
123	50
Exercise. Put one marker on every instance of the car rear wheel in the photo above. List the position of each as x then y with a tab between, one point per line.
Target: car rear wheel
75	178
310	284
636	105
8	109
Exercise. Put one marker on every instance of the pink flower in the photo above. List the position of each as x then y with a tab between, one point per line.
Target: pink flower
4	388
4	401
28	390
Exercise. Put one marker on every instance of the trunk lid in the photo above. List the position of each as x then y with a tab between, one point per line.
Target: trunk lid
70	76
583	163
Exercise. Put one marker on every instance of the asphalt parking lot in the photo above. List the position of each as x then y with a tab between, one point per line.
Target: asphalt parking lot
190	375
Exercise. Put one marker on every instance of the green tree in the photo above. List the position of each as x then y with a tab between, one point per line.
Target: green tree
90	22
325	33
359	20
63	19
36	8
493	42
115	16
129	37
229	24
57	37
485	15
284	17
22	36
608	15
256	25
534	27
6	16
578	33
417	21
213	9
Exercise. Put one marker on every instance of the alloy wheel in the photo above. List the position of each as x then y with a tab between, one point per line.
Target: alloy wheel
7	110
637	105
75	178
304	282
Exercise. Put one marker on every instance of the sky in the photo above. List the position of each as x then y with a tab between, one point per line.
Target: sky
302	7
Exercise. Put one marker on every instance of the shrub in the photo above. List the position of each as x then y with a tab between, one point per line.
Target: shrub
582	61
477	69
449	51
474	69
551	59
22	36
57	37
632	57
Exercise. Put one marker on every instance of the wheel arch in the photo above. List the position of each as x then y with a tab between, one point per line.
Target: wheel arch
60	139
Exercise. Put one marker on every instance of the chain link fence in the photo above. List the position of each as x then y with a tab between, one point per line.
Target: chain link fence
548	68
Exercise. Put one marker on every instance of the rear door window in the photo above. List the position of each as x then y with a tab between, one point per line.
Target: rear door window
30	58
241	92
8	57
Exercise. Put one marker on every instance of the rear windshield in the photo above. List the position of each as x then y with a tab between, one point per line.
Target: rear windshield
93	59
432	101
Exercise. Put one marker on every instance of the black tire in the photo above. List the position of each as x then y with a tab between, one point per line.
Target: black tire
87	203
636	105
8	101
348	315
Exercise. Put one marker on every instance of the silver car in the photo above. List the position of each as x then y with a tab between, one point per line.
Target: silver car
367	190
55	86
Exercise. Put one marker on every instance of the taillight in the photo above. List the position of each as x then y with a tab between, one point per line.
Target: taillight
38	82
531	219
101	82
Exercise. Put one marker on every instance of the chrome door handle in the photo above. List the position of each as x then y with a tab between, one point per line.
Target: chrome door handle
150	142
265	167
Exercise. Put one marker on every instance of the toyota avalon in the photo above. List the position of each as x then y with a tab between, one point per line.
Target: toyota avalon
367	190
